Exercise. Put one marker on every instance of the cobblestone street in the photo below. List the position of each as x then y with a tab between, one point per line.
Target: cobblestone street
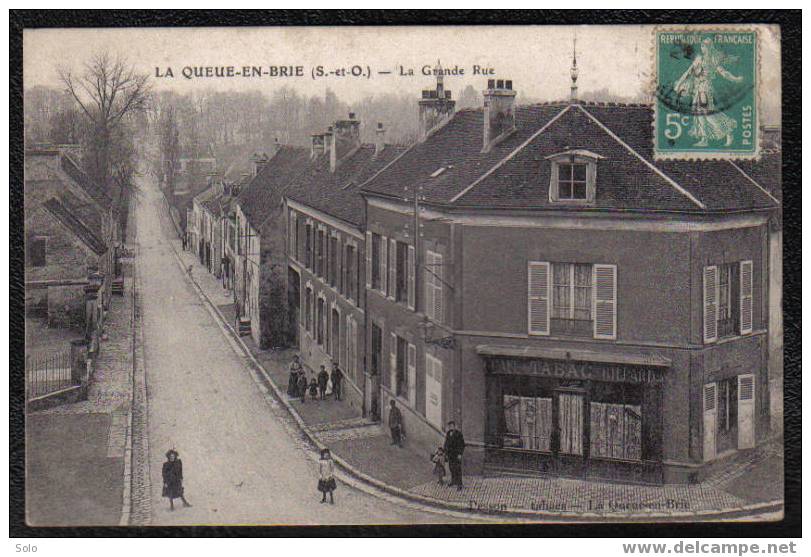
243	461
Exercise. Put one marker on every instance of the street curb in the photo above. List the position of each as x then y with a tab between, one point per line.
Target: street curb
468	510
126	498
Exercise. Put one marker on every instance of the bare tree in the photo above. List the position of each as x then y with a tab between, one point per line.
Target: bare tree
107	91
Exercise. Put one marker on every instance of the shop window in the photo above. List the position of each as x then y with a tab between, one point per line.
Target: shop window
616	421
527	423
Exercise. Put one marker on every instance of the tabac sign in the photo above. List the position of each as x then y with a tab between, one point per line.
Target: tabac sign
594	371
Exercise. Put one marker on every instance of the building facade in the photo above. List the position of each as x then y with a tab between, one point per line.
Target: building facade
327	256
576	307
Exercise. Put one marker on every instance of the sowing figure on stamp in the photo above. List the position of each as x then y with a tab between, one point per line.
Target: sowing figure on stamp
696	82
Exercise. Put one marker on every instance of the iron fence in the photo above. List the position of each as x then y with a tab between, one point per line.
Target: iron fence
47	373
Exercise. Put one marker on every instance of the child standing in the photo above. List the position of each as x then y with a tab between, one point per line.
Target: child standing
438	458
326	478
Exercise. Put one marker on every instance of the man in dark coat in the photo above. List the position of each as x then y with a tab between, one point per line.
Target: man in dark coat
454	447
323	379
173	479
337	377
395	424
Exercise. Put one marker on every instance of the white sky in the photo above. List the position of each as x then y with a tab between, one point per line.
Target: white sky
536	58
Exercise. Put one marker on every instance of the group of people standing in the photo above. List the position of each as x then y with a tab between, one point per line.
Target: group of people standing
299	386
450	452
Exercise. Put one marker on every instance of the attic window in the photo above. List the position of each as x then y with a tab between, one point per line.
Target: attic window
573	177
438	171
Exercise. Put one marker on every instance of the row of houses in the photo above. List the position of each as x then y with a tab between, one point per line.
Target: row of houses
529	272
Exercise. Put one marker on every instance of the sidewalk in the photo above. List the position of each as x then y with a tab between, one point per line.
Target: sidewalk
76	452
750	480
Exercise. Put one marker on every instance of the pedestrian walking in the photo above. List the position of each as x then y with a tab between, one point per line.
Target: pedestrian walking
337	378
302	386
395	424
323	379
326	476
292	381
313	389
173	479
438	458
454	447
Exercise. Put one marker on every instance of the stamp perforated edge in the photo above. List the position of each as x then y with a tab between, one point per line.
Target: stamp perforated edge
718	155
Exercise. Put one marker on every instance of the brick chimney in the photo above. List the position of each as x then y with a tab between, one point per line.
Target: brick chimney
499	119
436	106
345	140
380	139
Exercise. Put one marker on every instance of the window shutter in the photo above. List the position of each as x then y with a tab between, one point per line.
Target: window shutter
392	269
605	301
428	285
411	279
354	339
368	260
746	297
393	363
539	287
710	303
746	411
384	264
292	239
710	412
439	302
412	375
348	363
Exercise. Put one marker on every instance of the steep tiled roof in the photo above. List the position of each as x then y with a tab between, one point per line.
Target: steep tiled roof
94	190
261	195
452	169
210	198
76	226
337	194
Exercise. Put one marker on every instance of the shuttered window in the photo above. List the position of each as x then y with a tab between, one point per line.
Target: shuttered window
393	269
605	301
412	375
746	297
393	363
369	265
293	235
411	279
710	303
384	265
539	285
434	302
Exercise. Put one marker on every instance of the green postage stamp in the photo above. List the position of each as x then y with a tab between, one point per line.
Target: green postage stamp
706	94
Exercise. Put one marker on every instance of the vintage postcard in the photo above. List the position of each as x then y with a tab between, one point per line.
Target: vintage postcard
403	275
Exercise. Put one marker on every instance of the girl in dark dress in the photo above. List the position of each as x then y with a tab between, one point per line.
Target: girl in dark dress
173	479
292	382
326	476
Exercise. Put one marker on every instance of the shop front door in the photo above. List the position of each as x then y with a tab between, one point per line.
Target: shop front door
571	432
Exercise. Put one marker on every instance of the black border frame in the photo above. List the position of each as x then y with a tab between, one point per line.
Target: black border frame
791	57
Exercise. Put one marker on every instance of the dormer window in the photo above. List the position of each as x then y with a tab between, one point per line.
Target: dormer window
572	181
573	177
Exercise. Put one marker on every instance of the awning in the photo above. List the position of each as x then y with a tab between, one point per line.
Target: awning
576	355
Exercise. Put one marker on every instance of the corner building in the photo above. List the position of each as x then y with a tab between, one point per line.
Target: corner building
577	307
